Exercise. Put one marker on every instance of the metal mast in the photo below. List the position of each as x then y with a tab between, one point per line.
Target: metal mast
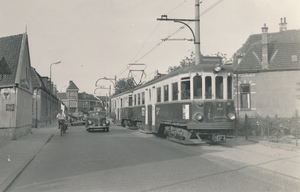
197	29
196	37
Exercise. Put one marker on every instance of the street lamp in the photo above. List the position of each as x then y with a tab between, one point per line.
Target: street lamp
51	89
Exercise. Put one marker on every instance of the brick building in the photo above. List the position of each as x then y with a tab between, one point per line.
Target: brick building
267	73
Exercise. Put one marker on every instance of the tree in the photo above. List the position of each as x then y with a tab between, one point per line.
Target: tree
187	61
124	84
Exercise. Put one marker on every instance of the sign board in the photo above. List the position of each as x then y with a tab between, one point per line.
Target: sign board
10	107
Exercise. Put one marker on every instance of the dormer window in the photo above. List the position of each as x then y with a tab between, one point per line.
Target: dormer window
294	58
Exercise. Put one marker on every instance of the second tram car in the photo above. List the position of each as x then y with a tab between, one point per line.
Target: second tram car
189	106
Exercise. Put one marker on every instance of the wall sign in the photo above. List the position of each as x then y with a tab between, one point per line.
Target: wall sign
10	107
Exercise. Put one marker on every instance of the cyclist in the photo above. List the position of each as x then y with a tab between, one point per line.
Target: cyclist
61	118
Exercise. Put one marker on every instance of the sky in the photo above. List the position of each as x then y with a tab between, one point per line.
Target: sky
94	39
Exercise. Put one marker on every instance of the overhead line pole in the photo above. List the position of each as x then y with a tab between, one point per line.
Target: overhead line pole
197	29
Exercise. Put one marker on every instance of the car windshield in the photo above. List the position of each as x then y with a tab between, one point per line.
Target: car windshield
97	114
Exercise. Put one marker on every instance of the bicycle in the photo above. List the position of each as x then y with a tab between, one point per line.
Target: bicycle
62	126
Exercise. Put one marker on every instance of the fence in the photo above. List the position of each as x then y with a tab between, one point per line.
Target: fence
277	130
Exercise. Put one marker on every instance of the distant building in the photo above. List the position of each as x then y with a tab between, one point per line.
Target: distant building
78	103
267	73
15	87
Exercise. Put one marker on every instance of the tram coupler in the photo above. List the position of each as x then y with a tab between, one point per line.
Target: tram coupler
218	138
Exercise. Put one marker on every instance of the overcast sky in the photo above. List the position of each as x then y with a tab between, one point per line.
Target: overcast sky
99	38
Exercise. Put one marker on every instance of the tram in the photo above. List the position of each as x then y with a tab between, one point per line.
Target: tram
190	106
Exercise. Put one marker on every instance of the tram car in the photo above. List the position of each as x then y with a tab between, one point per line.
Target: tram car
191	105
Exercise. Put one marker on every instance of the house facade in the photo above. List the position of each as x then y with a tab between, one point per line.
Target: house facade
78	103
15	87
267	73
41	100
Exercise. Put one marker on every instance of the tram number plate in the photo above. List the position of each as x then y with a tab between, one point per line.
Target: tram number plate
220	138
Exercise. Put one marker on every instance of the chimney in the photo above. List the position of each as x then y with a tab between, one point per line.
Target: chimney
282	25
264	40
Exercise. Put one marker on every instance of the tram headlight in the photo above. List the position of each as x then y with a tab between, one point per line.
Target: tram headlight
199	117
218	68
90	122
107	122
231	116
200	104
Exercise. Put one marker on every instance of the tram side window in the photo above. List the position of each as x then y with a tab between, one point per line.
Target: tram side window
158	91
245	96
185	88
139	98
208	93
130	100
166	93
135	100
219	87
198	87
175	91
143	98
229	87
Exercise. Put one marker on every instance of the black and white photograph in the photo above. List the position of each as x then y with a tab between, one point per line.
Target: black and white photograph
149	96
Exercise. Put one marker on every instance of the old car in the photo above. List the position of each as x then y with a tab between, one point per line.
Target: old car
96	120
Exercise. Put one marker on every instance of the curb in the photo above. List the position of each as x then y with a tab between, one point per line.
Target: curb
13	177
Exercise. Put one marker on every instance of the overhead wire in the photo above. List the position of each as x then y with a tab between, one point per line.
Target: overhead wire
175	32
182	27
149	37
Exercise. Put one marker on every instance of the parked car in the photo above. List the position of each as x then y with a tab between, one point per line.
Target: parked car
96	120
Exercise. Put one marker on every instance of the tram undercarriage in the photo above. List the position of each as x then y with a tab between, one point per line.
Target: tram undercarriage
188	137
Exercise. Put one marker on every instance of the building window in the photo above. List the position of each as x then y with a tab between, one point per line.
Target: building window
134	100
149	95
143	98
208	93
158	92
219	87
166	93
198	87
174	91
294	58
185	88
245	96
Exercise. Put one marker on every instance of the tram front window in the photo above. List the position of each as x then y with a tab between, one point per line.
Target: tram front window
208	93
185	88
198	87
229	89
219	87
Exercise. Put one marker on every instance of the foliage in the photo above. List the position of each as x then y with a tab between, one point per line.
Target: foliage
124	84
188	61
274	129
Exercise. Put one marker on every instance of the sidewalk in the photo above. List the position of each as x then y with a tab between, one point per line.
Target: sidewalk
15	155
277	158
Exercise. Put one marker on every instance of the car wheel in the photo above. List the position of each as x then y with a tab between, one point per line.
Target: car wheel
88	130
107	129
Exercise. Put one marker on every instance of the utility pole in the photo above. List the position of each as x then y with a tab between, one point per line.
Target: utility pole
196	37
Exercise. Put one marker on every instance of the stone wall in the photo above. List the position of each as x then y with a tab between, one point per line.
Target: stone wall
14	133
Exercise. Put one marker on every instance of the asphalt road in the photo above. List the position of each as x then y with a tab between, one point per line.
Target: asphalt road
127	160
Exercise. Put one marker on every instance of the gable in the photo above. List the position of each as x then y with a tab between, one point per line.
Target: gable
282	47
10	48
